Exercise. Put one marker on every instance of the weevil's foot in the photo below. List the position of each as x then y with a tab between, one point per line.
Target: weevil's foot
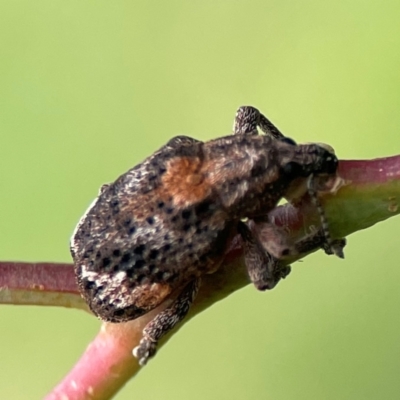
335	247
284	271
280	272
145	350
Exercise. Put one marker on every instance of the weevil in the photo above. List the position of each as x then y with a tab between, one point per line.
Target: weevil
165	223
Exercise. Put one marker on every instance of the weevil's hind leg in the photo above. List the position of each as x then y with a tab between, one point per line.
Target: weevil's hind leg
247	120
264	270
164	322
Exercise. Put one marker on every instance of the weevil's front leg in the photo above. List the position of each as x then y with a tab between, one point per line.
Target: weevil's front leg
164	322
329	245
247	120
319	240
264	270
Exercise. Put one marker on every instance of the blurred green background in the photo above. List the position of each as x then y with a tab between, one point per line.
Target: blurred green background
88	89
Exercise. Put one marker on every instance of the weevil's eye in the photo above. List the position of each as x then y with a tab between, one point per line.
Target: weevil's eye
330	163
293	170
288	140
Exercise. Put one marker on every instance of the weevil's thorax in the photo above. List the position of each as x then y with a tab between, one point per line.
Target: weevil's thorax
247	172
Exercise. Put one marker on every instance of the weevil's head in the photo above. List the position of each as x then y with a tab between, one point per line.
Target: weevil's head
315	159
311	158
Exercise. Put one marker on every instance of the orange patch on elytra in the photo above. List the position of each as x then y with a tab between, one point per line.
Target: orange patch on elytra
185	181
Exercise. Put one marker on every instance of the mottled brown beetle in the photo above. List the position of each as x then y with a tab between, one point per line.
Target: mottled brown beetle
166	222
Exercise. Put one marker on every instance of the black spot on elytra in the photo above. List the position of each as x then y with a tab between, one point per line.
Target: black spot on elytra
86	254
98	255
203	207
174	218
169	210
140	263
166	237
126	258
130	272
166	248
186	227
150	220
139	249
88	285
127	222
153	254
132	230
159	275
186	214
116	253
105	262
116	268
160	204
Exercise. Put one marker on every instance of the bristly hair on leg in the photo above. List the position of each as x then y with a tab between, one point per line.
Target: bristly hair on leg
331	247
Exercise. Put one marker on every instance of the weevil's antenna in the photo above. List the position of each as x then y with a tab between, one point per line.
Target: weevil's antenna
330	247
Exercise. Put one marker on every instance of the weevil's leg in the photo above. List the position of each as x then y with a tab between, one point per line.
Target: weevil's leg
246	121
318	240
330	246
269	128
274	239
164	322
264	270
248	118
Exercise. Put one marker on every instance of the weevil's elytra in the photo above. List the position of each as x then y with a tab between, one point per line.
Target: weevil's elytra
166	222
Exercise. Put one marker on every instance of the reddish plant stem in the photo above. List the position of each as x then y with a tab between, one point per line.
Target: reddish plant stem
49	284
369	195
